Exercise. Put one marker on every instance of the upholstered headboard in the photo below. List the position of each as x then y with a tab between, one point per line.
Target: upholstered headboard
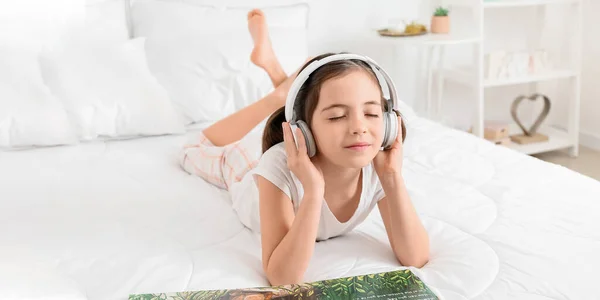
112	16
127	5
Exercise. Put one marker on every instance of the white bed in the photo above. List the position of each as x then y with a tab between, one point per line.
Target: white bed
105	219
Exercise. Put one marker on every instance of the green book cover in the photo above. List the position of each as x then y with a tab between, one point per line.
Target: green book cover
402	284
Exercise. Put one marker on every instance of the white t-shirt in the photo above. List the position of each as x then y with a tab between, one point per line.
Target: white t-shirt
273	167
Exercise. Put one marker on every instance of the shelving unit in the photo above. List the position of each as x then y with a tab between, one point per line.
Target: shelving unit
517	3
476	78
507	3
423	40
558	139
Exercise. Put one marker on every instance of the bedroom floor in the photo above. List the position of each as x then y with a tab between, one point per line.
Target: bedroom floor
588	162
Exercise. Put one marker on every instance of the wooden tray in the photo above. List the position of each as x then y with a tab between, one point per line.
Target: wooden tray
387	32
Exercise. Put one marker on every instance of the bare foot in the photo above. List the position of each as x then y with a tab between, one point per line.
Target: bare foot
281	91
262	54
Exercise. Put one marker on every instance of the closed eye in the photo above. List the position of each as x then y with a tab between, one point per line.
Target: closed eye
372	115
336	118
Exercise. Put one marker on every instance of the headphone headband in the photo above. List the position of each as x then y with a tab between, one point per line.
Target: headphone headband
290	114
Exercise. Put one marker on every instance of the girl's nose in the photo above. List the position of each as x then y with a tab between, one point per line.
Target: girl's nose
358	126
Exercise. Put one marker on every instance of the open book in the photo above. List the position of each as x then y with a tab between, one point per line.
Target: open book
402	284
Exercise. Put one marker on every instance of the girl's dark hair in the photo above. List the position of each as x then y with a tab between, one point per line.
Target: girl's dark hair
308	97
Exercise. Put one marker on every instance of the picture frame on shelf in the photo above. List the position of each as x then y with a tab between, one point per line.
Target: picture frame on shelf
502	64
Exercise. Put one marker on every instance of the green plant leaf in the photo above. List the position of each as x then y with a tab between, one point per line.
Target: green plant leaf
441	12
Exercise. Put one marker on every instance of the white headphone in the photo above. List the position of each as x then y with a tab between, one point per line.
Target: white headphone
390	119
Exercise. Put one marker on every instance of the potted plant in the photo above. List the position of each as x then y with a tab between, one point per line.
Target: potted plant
440	22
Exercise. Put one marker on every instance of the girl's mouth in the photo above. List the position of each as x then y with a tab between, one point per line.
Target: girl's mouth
358	146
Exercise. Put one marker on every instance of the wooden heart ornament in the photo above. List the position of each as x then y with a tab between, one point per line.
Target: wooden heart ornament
533	130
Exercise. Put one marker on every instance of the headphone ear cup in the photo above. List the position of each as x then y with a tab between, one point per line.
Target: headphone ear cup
311	147
390	125
386	130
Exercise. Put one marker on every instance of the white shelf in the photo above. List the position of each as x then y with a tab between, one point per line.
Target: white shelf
521	3
557	139
427	39
465	75
550	75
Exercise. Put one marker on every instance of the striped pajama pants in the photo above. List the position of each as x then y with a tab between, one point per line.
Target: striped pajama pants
221	166
226	167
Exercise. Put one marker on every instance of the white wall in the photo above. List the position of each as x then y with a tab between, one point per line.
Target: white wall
341	25
335	24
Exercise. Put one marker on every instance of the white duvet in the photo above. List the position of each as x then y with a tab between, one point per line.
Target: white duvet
106	219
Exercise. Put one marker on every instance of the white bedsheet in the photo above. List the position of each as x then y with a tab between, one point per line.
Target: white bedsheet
106	219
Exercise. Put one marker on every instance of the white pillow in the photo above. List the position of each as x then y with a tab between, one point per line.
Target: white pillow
109	91
29	114
201	54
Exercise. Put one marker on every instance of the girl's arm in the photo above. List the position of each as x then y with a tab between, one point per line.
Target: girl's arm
237	125
288	241
408	237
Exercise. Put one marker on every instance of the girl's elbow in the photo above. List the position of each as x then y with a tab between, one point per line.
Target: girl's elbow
417	261
283	277
421	261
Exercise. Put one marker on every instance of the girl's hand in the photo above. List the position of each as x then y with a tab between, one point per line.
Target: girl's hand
300	164
389	161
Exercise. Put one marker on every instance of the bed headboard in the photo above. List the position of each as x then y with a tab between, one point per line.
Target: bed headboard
118	10
127	4
128	21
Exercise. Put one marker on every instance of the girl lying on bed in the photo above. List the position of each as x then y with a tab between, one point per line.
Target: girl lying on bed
292	198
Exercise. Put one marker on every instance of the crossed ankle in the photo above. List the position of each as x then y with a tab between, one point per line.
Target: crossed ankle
276	99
